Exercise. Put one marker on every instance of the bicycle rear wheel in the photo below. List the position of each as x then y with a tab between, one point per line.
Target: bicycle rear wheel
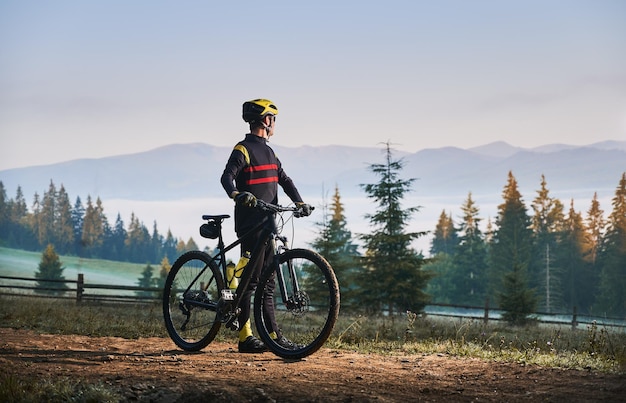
307	314
192	289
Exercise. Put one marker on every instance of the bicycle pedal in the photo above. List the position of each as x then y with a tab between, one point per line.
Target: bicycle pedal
233	325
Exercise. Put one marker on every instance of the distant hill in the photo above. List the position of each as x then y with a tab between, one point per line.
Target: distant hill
181	171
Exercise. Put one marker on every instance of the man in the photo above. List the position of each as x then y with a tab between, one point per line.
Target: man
254	172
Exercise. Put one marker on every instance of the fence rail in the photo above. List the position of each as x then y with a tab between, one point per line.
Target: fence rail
77	290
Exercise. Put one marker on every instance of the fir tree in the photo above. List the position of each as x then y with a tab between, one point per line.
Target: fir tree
334	242
470	259
612	292
63	226
146	281
393	273
445	239
510	249
516	299
93	231
50	268
547	225
577	282
594	232
78	214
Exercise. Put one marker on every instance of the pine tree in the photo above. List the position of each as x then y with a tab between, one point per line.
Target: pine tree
63	226
50	268
470	259
78	214
19	228
47	216
510	249
393	275
445	239
35	224
516	299
146	281
577	282
164	270
612	292
334	242
547	225
93	229
595	225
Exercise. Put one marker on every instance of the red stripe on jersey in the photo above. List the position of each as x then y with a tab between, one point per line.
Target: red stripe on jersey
262	180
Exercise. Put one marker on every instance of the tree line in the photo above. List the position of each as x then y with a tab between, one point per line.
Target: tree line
81	229
550	260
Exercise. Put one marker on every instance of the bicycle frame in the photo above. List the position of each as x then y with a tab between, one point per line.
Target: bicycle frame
268	229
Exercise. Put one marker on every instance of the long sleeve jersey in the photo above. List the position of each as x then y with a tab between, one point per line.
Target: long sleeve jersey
253	167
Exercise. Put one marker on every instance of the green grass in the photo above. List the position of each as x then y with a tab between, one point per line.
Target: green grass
20	263
591	348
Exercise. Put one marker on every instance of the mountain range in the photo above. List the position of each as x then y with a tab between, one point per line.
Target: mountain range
183	171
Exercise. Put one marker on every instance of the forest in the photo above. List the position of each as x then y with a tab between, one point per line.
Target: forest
545	257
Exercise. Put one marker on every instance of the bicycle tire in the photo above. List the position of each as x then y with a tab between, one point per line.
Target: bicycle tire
308	318
192	289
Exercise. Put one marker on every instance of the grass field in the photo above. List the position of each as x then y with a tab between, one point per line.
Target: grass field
19	263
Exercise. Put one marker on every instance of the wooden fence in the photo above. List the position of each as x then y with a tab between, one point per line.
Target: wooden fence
80	291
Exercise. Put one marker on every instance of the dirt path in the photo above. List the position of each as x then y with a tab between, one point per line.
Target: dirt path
152	369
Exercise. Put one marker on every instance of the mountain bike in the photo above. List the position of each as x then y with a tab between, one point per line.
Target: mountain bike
197	300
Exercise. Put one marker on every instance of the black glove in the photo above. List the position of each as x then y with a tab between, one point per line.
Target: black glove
245	199
304	210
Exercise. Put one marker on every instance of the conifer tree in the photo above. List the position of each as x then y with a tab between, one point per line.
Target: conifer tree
577	282
93	230
445	239
78	214
594	232
35	224
164	270
146	281
334	242
547	225
510	249
470	259
50	268
63	226
612	292
393	273
516	299
19	230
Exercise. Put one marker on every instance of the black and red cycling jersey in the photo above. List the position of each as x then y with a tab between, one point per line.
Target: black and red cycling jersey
253	167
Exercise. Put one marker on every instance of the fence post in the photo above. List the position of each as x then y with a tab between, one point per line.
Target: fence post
486	319
79	288
574	319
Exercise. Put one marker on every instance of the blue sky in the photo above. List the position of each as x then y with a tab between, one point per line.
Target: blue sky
92	79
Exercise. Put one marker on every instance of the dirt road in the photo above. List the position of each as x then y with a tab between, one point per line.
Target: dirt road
153	369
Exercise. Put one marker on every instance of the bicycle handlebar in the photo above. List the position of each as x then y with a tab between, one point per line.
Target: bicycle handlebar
275	208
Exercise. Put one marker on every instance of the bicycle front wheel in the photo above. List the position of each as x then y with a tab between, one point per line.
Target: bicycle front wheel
192	289
305	304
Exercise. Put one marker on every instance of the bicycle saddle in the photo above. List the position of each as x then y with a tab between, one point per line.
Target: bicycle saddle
215	217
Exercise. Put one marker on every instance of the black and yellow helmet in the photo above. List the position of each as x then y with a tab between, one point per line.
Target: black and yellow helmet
256	109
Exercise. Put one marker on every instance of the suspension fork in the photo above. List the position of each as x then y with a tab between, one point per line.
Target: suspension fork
290	272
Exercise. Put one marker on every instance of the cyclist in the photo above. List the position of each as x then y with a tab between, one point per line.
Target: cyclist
253	171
